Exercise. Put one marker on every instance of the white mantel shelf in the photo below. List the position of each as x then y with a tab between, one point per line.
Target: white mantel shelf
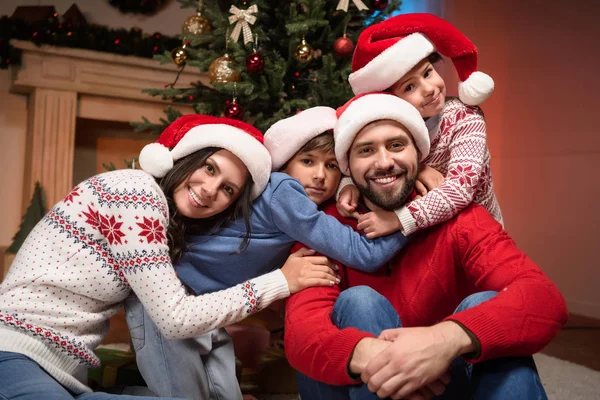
63	84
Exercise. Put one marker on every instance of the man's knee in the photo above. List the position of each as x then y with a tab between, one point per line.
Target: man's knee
476	299
364	308
360	300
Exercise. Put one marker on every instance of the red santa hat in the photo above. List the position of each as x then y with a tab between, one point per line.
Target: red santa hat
287	136
194	132
385	52
370	107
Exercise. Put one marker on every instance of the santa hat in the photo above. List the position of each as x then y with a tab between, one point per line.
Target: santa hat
194	132
370	107
287	136
385	52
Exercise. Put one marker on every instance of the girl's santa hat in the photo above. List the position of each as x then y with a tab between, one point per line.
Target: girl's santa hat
386	51
287	136
370	107
191	133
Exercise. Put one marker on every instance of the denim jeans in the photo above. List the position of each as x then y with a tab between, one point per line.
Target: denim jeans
23	379
363	308
199	368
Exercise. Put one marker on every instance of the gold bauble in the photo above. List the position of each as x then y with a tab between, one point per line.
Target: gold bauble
196	25
304	52
220	70
179	55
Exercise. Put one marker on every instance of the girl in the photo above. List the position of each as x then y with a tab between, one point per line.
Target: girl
118	233
397	55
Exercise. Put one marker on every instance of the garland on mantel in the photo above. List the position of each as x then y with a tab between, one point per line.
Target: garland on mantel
81	36
146	7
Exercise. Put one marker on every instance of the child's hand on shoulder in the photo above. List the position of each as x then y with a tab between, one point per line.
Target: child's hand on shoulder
378	223
348	201
303	269
429	179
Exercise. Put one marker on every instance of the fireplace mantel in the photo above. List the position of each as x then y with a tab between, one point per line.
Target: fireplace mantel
63	84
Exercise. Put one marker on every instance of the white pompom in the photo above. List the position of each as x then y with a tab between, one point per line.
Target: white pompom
476	89
156	159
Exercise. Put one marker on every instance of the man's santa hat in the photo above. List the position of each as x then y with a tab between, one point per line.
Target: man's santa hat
386	51
287	136
194	132
370	107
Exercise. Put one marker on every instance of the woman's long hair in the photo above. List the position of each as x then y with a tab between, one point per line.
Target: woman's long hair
179	225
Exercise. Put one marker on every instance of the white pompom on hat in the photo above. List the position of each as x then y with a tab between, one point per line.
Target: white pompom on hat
287	136
194	132
386	51
370	107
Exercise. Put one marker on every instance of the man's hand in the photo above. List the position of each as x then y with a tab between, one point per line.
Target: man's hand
430	178
417	358
348	201
378	223
364	351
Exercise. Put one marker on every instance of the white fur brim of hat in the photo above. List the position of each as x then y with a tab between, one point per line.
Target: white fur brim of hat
391	64
287	136
375	107
157	160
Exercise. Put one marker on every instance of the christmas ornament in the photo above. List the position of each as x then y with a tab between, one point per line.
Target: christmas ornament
379	5
343	5
220	70
242	20
255	62
233	110
196	25
343	46
304	52
179	55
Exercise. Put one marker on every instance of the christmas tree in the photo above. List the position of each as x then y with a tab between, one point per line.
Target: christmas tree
267	60
35	212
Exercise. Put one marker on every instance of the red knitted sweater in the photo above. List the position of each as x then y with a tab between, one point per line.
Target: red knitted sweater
425	283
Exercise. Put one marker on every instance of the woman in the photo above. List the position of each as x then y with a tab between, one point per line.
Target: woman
118	233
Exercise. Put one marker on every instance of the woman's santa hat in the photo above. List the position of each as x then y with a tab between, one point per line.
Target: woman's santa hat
287	136
370	107
385	52
194	132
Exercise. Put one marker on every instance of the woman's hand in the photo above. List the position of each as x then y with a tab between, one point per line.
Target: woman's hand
303	269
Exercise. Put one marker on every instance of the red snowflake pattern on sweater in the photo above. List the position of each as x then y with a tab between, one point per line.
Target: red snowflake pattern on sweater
459	151
152	230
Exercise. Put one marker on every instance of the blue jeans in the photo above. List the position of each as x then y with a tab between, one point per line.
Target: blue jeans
199	368
363	308
23	379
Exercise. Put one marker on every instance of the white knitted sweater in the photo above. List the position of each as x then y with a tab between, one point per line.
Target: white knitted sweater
104	240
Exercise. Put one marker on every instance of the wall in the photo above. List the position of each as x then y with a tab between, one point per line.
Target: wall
542	130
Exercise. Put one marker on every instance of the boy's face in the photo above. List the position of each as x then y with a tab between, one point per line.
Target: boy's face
318	173
422	87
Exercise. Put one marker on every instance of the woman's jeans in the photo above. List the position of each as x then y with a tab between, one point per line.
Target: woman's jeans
21	378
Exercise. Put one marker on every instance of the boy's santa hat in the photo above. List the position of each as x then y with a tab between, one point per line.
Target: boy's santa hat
370	107
194	132
287	136
386	51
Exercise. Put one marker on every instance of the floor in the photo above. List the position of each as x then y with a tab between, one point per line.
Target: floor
578	342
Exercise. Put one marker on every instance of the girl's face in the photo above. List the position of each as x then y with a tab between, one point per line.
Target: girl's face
422	87
211	188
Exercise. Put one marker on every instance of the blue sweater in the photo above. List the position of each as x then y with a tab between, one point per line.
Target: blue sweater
281	216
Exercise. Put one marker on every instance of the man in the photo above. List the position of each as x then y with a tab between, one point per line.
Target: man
460	298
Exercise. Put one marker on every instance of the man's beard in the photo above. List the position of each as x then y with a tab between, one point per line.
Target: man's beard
388	200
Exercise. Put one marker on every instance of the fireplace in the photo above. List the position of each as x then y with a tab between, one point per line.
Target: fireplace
79	106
